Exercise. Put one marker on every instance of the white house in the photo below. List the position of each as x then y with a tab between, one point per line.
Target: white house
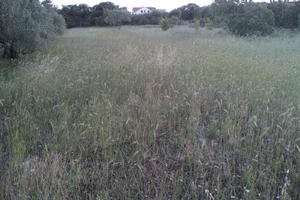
142	10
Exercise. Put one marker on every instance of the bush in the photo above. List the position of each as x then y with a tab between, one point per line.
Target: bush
209	24
59	24
254	20
165	24
197	24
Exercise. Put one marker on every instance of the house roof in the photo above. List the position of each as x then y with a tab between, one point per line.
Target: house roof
138	8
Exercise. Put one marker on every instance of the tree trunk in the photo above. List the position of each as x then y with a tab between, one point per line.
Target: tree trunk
10	51
6	51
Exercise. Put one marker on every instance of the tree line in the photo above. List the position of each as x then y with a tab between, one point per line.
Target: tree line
105	14
242	17
27	25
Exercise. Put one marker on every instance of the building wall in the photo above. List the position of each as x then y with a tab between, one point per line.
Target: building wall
143	11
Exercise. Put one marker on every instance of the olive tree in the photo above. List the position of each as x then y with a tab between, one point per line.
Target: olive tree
26	25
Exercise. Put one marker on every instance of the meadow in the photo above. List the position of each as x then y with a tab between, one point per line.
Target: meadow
138	113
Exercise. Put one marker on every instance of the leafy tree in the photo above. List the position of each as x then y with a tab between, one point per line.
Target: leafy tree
99	13
56	22
47	4
175	20
26	25
255	19
224	7
117	17
286	14
176	13
76	15
188	12
220	10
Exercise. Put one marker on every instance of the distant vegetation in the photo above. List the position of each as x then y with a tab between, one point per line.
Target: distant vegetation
239	17
26	25
29	25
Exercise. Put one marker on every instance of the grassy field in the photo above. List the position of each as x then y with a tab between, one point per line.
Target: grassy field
137	113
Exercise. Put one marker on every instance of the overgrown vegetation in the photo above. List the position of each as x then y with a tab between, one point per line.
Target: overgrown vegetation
145	114
26	25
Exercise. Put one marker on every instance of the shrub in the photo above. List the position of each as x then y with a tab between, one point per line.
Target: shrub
254	20
165	24
209	24
197	24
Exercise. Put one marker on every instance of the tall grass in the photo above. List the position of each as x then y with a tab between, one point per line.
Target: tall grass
142	114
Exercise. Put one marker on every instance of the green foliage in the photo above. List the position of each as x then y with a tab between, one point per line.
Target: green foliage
286	14
174	20
299	21
106	14
187	12
59	24
240	14
26	26
165	24
117	17
152	18
223	8
76	15
197	24
102	14
99	12
176	13
253	20
209	24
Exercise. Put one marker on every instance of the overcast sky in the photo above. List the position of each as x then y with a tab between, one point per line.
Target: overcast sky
160	4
